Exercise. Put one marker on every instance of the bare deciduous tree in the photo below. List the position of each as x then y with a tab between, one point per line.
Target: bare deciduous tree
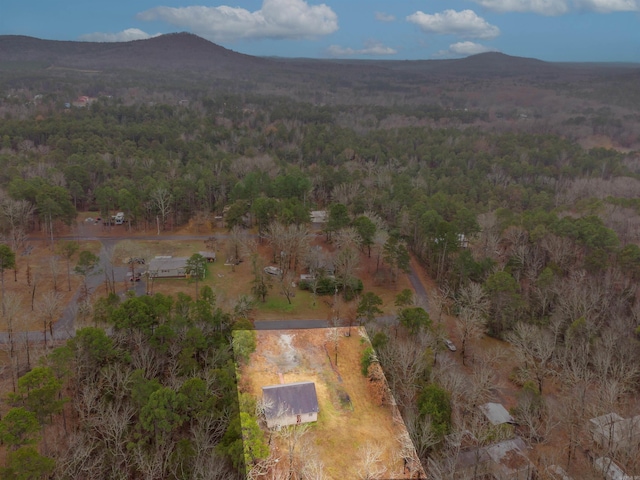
440	299
54	266
292	436
161	201
236	245
371	465
288	285
470	325
406	364
534	347
419	438
49	307
379	240
345	192
18	213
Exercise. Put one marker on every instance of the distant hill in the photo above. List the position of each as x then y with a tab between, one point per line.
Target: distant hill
174	60
178	51
185	51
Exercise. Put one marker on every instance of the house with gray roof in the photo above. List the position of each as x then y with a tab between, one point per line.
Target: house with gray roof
167	267
290	404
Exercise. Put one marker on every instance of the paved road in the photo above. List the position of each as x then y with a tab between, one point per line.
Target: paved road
289	324
301	324
421	292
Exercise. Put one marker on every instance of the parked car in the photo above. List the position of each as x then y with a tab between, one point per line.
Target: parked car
134	278
275	271
450	345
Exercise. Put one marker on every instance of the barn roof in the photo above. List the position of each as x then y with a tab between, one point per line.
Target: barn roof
290	399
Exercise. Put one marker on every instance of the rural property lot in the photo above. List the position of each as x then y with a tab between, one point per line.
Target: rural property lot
349	419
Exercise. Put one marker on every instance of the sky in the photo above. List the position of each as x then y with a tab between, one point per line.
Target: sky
552	30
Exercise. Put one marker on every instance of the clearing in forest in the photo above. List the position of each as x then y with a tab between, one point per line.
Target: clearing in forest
358	429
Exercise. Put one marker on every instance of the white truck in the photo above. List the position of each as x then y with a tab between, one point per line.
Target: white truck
118	218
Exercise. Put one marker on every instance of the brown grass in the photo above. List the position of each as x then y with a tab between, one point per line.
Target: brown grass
342	429
37	263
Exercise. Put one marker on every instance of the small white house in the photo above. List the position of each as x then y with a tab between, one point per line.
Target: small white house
290	404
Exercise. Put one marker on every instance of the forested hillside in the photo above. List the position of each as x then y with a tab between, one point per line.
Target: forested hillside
530	238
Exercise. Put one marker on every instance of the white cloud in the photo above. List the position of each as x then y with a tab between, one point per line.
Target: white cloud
124	36
608	6
559	7
371	48
464	49
277	19
465	23
542	7
385	17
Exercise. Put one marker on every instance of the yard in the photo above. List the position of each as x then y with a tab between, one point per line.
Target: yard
230	282
349	419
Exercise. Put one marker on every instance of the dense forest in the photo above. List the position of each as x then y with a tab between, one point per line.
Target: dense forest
530	238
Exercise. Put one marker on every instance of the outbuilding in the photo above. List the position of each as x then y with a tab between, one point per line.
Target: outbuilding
167	267
210	257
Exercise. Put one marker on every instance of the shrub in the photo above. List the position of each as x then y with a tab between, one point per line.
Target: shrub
352	288
244	344
379	340
367	357
434	401
327	286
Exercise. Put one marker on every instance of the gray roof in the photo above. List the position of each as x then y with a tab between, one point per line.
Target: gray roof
510	454
167	263
290	399
496	413
610	469
616	429
605	421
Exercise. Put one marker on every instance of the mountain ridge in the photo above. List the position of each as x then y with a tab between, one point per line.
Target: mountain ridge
188	52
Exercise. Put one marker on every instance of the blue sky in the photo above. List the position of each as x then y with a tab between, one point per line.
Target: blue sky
554	30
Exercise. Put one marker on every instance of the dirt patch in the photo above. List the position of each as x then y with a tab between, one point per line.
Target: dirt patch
288	358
